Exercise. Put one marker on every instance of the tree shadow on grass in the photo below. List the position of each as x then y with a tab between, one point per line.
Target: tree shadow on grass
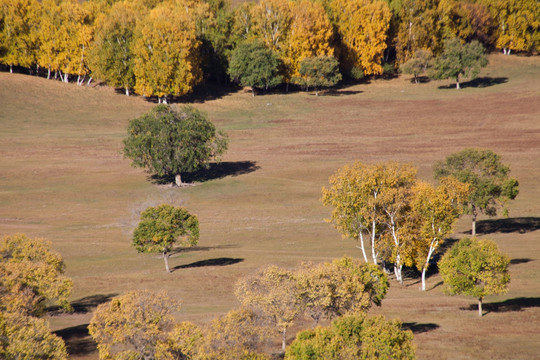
520	225
77	339
338	92
520	261
481	82
83	305
202	248
517	304
419	328
210	262
215	171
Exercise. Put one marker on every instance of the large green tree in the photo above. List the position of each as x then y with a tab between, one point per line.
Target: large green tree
170	142
459	60
475	267
487	177
163	227
354	336
253	64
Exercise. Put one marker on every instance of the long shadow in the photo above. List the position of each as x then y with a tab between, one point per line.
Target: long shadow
77	339
517	304
83	305
520	261
203	248
337	92
420	328
215	171
210	262
481	82
520	225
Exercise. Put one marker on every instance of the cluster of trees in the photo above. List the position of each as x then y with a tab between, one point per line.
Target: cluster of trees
164	48
140	324
405	220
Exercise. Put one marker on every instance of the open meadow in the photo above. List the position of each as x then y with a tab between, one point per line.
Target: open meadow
63	177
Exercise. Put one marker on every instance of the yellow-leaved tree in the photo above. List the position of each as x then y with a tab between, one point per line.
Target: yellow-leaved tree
310	35
362	27
166	52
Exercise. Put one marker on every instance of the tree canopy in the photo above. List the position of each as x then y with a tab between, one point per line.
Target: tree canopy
171	141
164	226
253	64
317	72
475	267
488	179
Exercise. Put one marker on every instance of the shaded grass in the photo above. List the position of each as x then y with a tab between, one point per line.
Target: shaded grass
63	177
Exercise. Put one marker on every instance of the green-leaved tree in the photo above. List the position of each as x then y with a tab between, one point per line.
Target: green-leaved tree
487	176
475	267
317	72
163	227
170	142
418	64
253	64
459	60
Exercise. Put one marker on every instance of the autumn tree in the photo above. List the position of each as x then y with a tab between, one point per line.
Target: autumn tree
31	276
317	72
163	227
436	209
517	22
253	64
362	27
272	292
131	325
17	36
353	194
310	37
459	60
235	335
183	342
272	23
354	336
171	141
339	287
466	21
166	52
487	177
111	55
418	64
28	337
475	267
419	28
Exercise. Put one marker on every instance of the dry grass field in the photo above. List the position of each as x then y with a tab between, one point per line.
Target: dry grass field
63	177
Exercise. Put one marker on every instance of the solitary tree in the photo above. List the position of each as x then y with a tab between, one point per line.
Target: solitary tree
475	267
320	71
417	64
354	336
170	142
459	59
31	275
132	325
487	177
163	227
253	64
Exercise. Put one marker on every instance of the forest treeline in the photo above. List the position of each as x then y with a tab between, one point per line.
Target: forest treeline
165	48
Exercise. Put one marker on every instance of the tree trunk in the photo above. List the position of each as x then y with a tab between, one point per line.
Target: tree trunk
283	339
178	180
10	69
457	83
361	239
127	91
426	265
480	307
397	270
473	231
373	254
48	73
166	259
252	91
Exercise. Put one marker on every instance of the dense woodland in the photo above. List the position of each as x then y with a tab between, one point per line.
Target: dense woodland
165	48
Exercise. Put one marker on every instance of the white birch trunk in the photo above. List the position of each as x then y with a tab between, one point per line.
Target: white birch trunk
373	234
426	265
166	259
361	240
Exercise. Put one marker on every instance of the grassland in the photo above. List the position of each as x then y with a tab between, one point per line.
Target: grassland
63	177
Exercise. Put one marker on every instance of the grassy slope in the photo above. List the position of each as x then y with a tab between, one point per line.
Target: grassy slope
62	176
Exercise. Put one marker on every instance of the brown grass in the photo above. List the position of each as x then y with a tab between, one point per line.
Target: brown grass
63	177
